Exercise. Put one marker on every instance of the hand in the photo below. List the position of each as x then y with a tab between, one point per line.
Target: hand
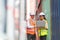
46	28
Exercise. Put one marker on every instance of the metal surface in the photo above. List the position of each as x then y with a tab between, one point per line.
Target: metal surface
22	21
2	16
2	20
10	20
46	9
16	18
55	19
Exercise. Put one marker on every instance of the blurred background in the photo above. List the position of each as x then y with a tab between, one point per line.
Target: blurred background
13	16
14	13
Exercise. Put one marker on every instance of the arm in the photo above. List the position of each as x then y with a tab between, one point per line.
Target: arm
46	25
29	24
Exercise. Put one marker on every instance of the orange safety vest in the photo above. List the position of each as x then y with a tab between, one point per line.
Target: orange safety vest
31	30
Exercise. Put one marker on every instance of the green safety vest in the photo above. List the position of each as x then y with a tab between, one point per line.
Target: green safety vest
42	32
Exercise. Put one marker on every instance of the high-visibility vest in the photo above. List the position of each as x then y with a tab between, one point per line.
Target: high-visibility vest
43	32
31	30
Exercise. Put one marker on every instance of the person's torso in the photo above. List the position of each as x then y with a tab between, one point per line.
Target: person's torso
42	31
31	30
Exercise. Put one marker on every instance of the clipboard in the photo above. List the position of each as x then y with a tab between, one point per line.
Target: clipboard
40	23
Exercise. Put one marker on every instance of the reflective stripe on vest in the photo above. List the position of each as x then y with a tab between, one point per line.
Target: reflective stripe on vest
31	30
42	32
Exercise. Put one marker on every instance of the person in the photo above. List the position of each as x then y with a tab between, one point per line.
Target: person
31	28
43	32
